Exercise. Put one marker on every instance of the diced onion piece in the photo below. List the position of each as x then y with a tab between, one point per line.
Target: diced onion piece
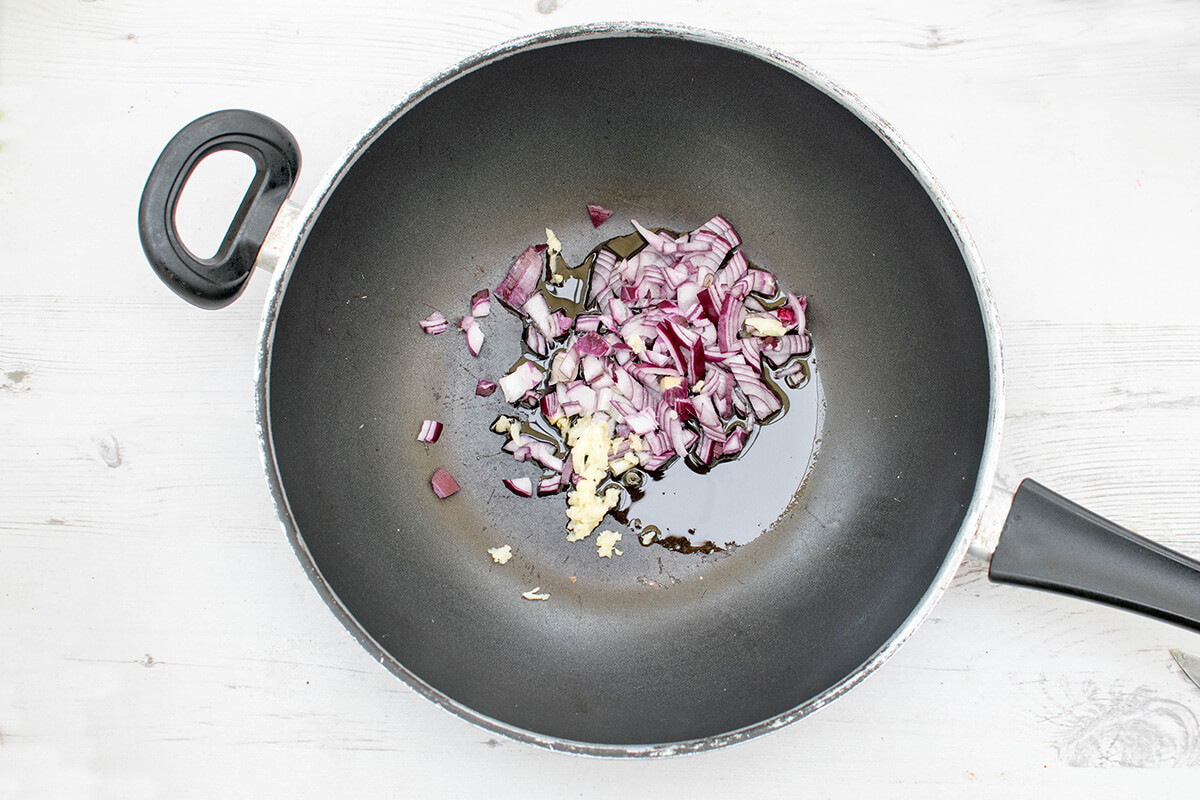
435	323
484	387
598	214
443	483
481	303
474	334
522	278
550	484
522	487
431	429
516	383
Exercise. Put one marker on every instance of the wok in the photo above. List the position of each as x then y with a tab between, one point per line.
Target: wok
655	651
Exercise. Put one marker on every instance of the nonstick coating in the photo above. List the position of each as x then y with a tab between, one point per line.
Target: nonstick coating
652	646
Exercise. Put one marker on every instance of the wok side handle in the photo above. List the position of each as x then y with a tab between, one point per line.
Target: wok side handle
1051	543
216	282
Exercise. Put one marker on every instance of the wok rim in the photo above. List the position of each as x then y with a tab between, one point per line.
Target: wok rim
985	476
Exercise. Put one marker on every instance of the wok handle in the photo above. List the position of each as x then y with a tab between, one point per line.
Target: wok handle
216	282
1049	542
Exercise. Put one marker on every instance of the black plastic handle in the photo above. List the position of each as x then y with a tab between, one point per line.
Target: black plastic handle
1049	542
216	282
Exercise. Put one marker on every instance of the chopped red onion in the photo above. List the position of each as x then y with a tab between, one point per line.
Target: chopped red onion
485	387
537	309
516	383
672	346
481	303
443	483
522	278
474	334
536	341
598	214
522	487
431	429
435	323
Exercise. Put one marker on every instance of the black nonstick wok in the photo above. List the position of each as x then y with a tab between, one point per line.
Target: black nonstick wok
655	651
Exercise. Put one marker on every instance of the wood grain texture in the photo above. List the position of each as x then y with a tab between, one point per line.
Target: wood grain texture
158	636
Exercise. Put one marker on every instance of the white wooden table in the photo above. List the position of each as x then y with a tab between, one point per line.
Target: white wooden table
158	637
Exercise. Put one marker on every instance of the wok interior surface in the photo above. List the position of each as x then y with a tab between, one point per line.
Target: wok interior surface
652	646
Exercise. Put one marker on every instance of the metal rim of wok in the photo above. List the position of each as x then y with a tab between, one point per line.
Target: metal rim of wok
982	480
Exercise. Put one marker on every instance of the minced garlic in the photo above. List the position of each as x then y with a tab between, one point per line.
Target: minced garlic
606	544
536	593
501	555
590	440
623	463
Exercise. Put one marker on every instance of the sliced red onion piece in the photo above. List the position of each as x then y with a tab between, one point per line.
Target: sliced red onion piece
443	483
481	303
549	484
706	449
588	323
583	396
550	406
761	281
655	240
520	380
734	270
536	341
794	368
537	309
522	278
795	312
568	474
474	334
721	227
711	306
484	387
522	487
543	453
602	271
435	323
730	322
640	421
735	441
793	344
592	368
598	214
592	344
431	429
565	365
762	400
